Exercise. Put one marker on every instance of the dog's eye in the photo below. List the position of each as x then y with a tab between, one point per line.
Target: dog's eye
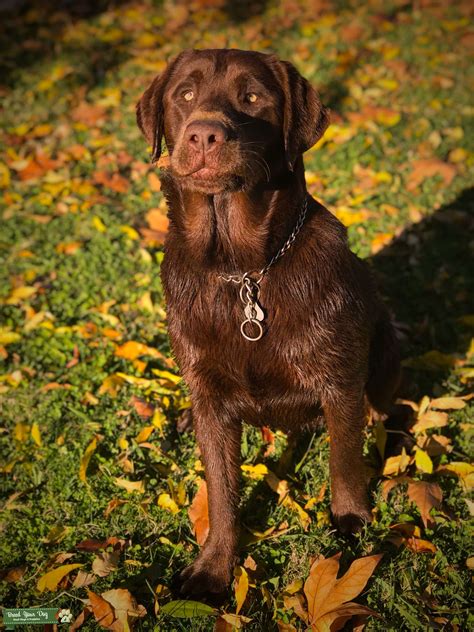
251	97
188	95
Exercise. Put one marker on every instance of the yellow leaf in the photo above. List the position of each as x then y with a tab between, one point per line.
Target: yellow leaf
457	155
130	486
4	176
129	231
257	472
21	432
425	496
448	403
167	375
144	434
8	337
50	580
123	443
241	587
166	502
86	457
111	385
158	419
98	224
396	464
423	461
430	419
19	294
349	216
35	434
460	468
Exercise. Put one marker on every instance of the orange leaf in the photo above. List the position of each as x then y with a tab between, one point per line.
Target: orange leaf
321	581
427	168
157	220
113	181
115	609
144	409
199	514
88	113
154	182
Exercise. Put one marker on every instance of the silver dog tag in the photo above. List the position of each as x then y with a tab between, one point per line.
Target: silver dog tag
257	312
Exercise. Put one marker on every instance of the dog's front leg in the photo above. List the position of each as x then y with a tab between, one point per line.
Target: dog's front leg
218	437
345	418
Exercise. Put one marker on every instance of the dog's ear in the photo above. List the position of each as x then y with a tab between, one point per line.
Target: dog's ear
305	119
150	109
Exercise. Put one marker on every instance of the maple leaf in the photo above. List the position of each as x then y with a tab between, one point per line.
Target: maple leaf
425	496
329	598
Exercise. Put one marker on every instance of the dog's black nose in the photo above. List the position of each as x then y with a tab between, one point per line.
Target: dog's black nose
206	135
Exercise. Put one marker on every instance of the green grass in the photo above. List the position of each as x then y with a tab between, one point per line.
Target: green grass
412	62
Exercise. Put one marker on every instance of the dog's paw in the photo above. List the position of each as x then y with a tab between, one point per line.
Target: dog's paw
351	523
203	577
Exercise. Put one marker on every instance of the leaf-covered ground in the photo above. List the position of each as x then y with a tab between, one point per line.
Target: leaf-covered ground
93	470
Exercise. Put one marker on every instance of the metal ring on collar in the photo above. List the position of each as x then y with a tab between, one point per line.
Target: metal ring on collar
253	321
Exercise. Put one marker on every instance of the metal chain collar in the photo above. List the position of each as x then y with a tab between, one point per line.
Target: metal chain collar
249	282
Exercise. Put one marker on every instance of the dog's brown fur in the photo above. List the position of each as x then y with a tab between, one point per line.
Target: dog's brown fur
329	345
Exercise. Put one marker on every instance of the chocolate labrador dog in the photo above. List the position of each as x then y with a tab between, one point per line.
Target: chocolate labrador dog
272	319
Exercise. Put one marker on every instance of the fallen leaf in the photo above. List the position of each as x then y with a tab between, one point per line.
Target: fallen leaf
425	496
199	514
166	502
130	486
430	419
448	403
105	563
423	461
115	609
241	587
256	472
50	580
327	596
85	459
427	168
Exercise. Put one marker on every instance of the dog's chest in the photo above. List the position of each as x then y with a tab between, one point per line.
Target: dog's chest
270	379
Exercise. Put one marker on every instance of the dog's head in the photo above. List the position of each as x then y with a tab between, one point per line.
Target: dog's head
230	118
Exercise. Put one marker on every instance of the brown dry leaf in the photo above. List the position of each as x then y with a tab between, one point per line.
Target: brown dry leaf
105	563
418	545
143	409
425	496
427	168
199	514
113	181
113	504
328	596
335	620
296	603
285	627
88	113
115	609
80	619
83	579
13	575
